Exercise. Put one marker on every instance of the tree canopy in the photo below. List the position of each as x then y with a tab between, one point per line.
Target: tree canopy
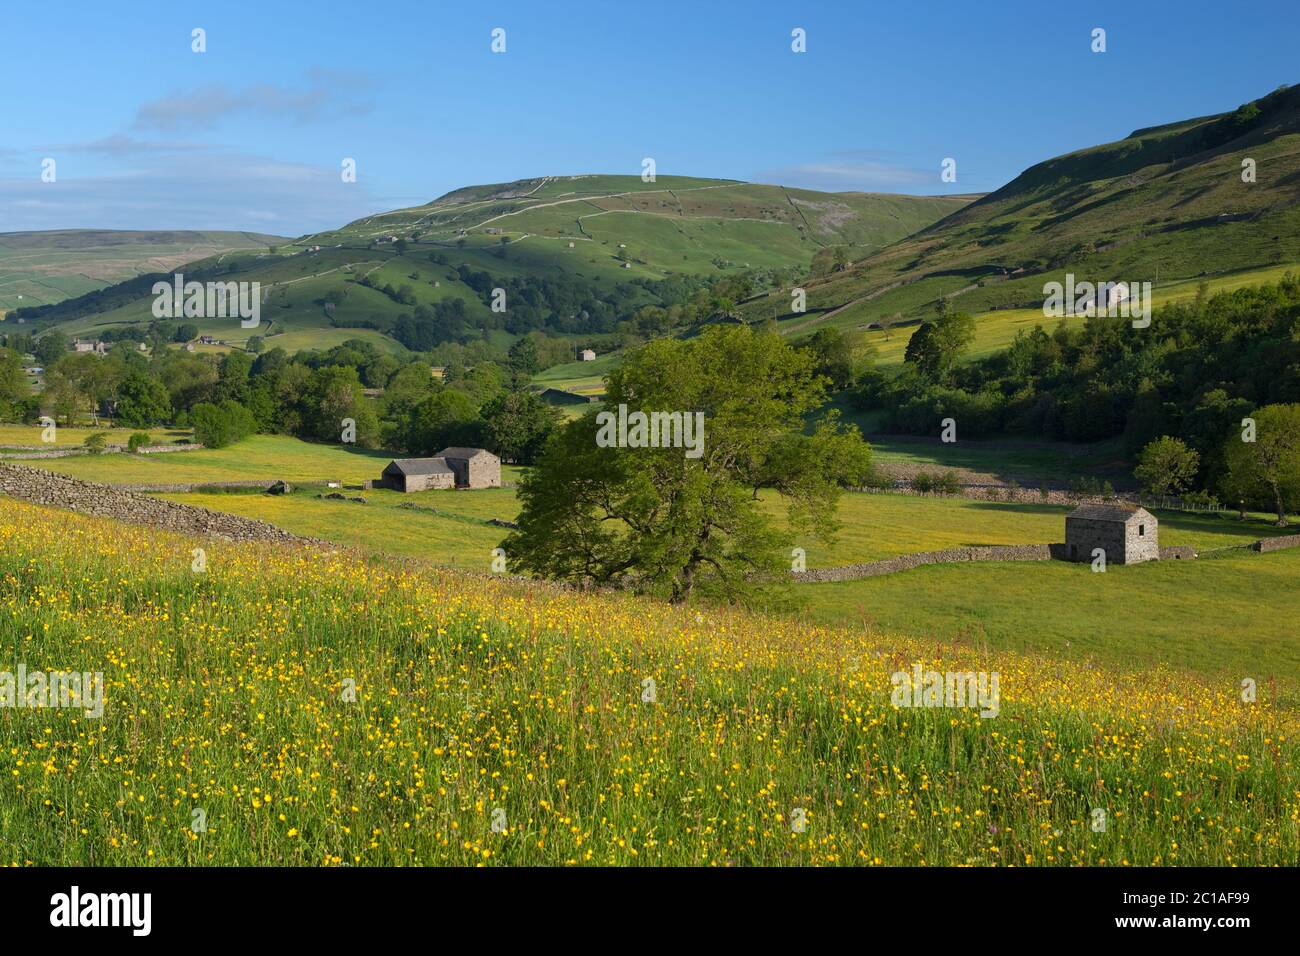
661	521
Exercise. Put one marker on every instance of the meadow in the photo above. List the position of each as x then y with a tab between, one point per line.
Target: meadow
258	456
31	436
1226	617
1218	615
301	707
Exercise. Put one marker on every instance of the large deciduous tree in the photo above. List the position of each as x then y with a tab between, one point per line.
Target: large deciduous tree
679	520
1166	466
1268	468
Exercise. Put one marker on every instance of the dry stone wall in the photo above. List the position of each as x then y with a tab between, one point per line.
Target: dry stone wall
1278	543
105	501
905	562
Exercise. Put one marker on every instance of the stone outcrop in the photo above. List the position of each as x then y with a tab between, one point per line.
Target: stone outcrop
105	501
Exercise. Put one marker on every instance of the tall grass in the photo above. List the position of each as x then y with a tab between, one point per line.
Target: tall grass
228	693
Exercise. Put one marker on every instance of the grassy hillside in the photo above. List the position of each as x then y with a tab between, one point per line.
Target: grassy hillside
316	709
1164	205
40	268
599	231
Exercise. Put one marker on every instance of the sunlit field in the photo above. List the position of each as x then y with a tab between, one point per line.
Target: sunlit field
320	709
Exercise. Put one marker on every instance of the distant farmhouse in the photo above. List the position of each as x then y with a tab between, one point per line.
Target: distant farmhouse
99	348
587	355
450	468
1126	533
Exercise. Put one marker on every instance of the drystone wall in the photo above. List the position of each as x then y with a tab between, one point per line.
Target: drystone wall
905	562
105	501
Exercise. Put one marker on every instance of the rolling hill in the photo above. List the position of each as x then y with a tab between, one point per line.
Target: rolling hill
1166	204
40	268
604	237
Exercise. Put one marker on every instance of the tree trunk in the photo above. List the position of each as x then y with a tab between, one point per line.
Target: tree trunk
1281	508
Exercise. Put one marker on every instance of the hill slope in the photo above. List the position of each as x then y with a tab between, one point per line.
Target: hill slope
39	268
604	239
1165	203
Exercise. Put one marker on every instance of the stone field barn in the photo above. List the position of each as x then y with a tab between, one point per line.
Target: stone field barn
1126	533
450	468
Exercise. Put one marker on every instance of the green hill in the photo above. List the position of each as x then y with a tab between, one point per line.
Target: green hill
591	247
40	268
1165	204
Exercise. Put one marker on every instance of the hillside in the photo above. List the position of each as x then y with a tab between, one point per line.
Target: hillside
40	268
1166	203
313	707
601	242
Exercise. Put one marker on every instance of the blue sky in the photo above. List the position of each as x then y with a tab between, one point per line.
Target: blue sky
250	134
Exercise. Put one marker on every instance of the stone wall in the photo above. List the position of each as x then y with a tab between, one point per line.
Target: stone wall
259	484
1277	544
905	562
105	501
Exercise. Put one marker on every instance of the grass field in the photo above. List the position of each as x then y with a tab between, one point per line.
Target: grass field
31	435
260	456
458	535
288	706
1212	615
882	525
1229	617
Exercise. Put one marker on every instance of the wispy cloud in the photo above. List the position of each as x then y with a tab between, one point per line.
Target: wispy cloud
854	170
325	94
192	190
121	144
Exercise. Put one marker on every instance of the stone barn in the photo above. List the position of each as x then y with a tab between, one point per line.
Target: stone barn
1128	534
474	467
450	468
417	474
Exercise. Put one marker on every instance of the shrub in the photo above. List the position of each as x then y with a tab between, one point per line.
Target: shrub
137	441
947	483
95	443
216	426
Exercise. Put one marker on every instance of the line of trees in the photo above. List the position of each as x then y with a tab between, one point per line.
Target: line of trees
1194	374
319	396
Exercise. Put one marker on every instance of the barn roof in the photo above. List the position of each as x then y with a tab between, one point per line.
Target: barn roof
462	452
1108	512
419	466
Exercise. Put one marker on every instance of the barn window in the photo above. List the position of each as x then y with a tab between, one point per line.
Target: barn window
1142	530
